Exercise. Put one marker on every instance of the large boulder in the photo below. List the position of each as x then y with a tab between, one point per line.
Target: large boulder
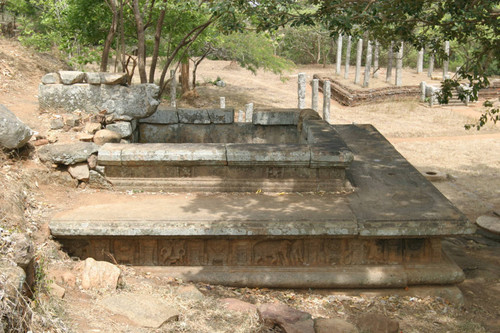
120	102
13	132
99	274
67	154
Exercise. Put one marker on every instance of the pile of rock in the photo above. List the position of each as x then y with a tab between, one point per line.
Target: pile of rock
13	132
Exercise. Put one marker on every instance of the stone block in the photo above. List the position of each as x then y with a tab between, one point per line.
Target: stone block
67	154
13	132
287	155
162	116
113	78
51	78
71	77
124	128
93	78
174	154
99	274
276	117
329	155
193	116
127	103
221	116
71	120
106	136
56	124
79	171
110	154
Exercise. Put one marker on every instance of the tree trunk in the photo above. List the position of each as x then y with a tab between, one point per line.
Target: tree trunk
141	42
109	37
156	51
185	76
390	57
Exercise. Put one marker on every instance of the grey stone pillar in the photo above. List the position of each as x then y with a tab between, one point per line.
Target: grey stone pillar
173	89
431	65
347	57
248	112
375	59
326	100
359	54
399	66
368	63
302	90
390	59
315	89
339	54
422	91
241	116
420	61
446	61
222	102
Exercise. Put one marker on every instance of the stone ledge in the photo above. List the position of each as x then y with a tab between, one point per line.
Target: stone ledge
166	115
276	116
288	155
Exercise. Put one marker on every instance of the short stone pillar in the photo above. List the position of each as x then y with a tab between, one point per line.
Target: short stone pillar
315	92
399	66
431	65
173	89
390	59
326	100
368	63
241	116
347	57
420	61
248	112
339	54
375	59
446	61
423	86
302	90
222	102
359	54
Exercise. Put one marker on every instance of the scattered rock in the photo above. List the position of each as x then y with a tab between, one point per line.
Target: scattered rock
377	323
289	319
79	171
22	249
97	180
56	124
41	142
99	274
124	128
84	137
51	78
71	120
13	132
106	136
234	304
92	161
71	77
56	291
333	325
52	137
67	154
189	292
91	128
143	310
12	279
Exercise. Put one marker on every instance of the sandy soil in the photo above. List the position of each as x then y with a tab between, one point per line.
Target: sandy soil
432	139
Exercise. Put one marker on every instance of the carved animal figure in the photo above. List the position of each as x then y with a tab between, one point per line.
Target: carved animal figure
172	252
272	252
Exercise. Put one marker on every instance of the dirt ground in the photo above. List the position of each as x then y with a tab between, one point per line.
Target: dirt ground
432	139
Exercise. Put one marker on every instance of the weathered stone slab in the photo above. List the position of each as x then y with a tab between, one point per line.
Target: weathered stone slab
13	132
67	153
162	115
193	116
276	117
489	223
124	128
268	154
178	154
106	136
71	77
98	274
79	171
113	78
329	155
92	78
110	154
51	78
143	310
221	116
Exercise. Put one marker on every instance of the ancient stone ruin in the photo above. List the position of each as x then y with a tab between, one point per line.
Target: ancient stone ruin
283	200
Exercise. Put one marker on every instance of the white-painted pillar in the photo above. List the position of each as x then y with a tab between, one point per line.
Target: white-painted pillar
173	89
248	112
315	93
420	61
399	66
347	57
446	62
339	54
326	100
222	102
302	90
390	60
368	63
375	59
359	54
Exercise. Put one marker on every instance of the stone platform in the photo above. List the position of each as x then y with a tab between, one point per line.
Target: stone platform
385	234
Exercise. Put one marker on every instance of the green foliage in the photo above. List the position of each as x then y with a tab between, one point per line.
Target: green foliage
492	115
305	44
252	51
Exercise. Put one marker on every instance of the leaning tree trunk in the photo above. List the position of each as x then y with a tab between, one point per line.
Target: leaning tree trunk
185	76
141	42
109	37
